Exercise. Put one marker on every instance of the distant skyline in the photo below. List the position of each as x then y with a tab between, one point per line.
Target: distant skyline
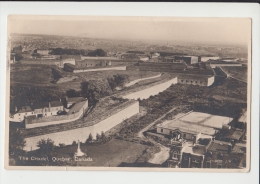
202	30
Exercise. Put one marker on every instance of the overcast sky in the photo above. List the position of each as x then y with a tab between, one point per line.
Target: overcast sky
211	30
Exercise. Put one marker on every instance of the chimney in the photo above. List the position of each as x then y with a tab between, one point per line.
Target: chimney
49	104
213	138
194	140
15	109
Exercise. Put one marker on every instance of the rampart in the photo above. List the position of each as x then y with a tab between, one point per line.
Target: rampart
56	62
99	125
138	80
150	91
162	67
178	68
100	69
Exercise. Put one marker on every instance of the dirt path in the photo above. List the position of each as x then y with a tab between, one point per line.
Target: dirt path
161	156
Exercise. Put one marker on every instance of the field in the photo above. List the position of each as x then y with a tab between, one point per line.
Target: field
32	74
237	72
41	76
133	75
110	154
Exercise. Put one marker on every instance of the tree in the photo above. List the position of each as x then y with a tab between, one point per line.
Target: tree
103	136
74	143
16	142
46	146
90	138
98	137
71	93
118	80
97	52
95	89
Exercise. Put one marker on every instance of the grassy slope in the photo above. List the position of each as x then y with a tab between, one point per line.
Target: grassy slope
111	154
237	72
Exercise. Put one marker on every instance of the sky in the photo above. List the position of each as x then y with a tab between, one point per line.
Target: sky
210	30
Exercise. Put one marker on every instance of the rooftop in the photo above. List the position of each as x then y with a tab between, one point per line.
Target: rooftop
195	77
197	122
75	99
70	56
187	127
223	147
206	119
25	109
77	107
235	134
243	118
40	105
194	149
98	58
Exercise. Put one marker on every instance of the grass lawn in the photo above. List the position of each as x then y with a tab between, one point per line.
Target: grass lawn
110	154
34	74
133	75
40	76
239	72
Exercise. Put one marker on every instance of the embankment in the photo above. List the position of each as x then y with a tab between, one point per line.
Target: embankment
81	134
150	91
138	80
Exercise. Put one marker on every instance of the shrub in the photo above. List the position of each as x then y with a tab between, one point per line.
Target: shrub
90	138
46	146
98	137
61	144
103	136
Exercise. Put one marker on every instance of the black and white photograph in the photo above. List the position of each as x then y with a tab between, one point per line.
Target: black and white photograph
120	93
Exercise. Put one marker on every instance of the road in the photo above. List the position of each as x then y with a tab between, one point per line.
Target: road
163	155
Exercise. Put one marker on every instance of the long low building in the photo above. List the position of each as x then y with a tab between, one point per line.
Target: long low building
199	80
193	125
189	59
38	109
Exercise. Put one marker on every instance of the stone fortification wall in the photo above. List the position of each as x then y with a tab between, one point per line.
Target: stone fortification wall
42	62
81	134
150	91
138	80
162	67
99	69
216	65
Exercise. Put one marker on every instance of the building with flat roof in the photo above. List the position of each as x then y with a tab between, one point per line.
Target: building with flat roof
189	59
73	100
200	80
193	126
220	154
